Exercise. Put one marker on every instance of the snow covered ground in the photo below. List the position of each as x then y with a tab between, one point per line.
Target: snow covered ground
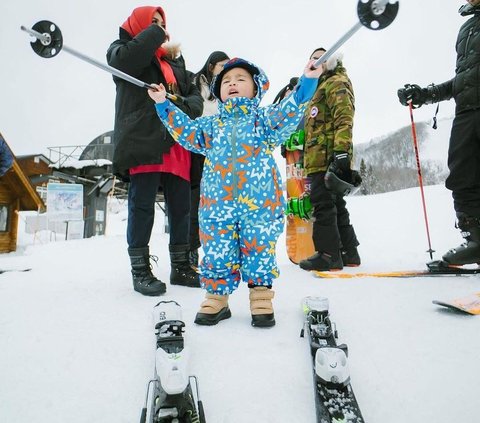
77	343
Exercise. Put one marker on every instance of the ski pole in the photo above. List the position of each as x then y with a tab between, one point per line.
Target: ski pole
49	42
420	180
373	14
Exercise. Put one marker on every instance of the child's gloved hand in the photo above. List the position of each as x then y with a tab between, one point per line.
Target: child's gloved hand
159	94
311	72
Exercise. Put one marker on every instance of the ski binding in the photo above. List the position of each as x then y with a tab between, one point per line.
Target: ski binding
172	395
335	401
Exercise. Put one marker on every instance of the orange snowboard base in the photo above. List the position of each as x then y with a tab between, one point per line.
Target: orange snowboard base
469	304
299	231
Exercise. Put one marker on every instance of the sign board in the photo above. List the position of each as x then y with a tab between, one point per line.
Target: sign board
65	201
65	209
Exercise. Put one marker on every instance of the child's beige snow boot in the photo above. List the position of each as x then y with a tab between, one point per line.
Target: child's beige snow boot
213	309
261	306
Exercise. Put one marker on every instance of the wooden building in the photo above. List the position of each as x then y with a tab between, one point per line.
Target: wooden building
36	167
16	194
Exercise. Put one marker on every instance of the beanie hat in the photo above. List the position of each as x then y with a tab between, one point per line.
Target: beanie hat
233	63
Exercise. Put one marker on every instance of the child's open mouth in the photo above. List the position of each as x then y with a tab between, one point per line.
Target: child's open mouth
232	91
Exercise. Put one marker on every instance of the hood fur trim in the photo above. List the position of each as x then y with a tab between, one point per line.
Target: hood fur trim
173	50
334	61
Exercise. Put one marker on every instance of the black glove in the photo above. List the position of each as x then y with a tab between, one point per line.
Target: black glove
283	151
412	92
341	165
356	178
177	99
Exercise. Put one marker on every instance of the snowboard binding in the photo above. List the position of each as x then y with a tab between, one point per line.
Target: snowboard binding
296	141
300	207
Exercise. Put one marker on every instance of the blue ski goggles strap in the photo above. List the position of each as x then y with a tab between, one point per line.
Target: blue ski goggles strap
300	207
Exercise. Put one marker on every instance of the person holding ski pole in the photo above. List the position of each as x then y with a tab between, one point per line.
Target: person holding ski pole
145	154
241	202
285	92
464	148
328	153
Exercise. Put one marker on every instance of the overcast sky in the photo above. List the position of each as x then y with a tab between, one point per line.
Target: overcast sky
65	101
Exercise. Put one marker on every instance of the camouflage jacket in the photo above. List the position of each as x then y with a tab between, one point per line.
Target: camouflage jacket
329	120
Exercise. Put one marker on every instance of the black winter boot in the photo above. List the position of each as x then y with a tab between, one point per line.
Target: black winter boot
469	251
143	279
350	257
322	262
182	272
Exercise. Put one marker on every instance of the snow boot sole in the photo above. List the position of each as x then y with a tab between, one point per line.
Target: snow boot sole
207	319
263	320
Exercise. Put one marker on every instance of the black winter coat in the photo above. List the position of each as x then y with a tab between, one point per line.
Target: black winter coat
465	86
139	136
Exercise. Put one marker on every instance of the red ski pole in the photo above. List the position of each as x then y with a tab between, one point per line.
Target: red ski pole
420	180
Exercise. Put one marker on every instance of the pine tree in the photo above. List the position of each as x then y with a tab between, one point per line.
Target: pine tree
363	174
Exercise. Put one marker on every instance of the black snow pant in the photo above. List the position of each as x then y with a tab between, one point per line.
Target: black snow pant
196	171
141	207
332	230
464	163
194	225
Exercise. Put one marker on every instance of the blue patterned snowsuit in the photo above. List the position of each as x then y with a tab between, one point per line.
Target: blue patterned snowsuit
241	210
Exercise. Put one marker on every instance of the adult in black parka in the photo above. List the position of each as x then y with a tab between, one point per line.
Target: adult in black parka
145	154
464	148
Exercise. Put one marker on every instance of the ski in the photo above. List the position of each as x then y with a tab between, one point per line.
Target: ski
469	304
434	268
172	395
14	270
335	401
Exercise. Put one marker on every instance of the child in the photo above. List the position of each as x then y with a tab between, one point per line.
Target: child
241	205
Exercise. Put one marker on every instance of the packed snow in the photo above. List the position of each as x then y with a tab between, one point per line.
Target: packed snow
78	342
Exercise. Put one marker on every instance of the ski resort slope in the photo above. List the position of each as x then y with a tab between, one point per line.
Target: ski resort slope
78	342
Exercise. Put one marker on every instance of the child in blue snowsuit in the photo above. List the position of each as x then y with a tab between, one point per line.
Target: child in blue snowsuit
242	207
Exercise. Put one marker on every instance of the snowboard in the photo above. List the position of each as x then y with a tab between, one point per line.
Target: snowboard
434	268
299	223
469	304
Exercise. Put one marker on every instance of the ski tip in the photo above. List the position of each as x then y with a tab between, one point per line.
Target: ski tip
314	303
469	304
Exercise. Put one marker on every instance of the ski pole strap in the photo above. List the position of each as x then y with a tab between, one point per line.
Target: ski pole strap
296	141
300	207
434	125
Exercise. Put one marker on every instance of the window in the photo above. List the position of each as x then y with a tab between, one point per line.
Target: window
4	211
